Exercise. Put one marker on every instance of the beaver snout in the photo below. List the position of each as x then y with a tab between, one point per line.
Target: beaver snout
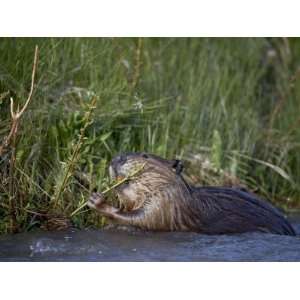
115	164
118	160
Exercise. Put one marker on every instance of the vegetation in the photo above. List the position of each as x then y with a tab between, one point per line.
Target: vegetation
228	107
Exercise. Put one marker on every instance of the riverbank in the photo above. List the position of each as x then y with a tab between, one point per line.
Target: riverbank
228	107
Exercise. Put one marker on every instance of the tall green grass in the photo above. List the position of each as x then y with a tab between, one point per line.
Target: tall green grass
228	107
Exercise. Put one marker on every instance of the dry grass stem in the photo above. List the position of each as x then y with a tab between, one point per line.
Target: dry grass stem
11	140
15	116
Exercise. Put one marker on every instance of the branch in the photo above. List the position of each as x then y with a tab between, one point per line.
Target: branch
17	115
119	182
32	82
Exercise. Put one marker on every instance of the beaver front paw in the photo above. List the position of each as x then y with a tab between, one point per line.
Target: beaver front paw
96	200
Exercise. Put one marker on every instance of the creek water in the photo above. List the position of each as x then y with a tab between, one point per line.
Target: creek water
115	244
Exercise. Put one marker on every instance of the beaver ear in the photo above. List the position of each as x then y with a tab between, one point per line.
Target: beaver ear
178	166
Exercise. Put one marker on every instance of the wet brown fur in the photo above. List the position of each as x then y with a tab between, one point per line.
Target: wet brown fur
160	199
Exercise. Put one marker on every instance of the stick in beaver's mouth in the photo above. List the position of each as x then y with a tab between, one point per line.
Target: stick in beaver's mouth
118	183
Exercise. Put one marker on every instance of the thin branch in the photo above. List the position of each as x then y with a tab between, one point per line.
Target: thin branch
12	107
119	182
17	115
32	81
11	140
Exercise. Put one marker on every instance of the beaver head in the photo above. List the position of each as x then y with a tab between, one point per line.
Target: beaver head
156	174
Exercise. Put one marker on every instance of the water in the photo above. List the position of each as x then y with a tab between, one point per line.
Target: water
134	245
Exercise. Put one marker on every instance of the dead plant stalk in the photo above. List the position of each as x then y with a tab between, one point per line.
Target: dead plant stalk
10	140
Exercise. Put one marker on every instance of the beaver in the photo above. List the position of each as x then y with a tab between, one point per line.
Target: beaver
159	198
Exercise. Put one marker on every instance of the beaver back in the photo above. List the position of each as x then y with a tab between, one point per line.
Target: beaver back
231	210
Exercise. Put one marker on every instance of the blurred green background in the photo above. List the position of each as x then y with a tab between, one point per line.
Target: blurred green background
229	107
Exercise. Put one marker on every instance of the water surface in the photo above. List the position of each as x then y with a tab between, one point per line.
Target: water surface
133	245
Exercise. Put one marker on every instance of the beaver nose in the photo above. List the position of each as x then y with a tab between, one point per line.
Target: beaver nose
120	159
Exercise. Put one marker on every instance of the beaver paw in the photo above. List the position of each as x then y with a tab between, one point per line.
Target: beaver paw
96	200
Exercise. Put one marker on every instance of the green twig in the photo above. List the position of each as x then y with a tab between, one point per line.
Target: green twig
74	158
129	177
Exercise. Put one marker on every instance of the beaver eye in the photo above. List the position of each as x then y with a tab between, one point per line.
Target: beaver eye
178	166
